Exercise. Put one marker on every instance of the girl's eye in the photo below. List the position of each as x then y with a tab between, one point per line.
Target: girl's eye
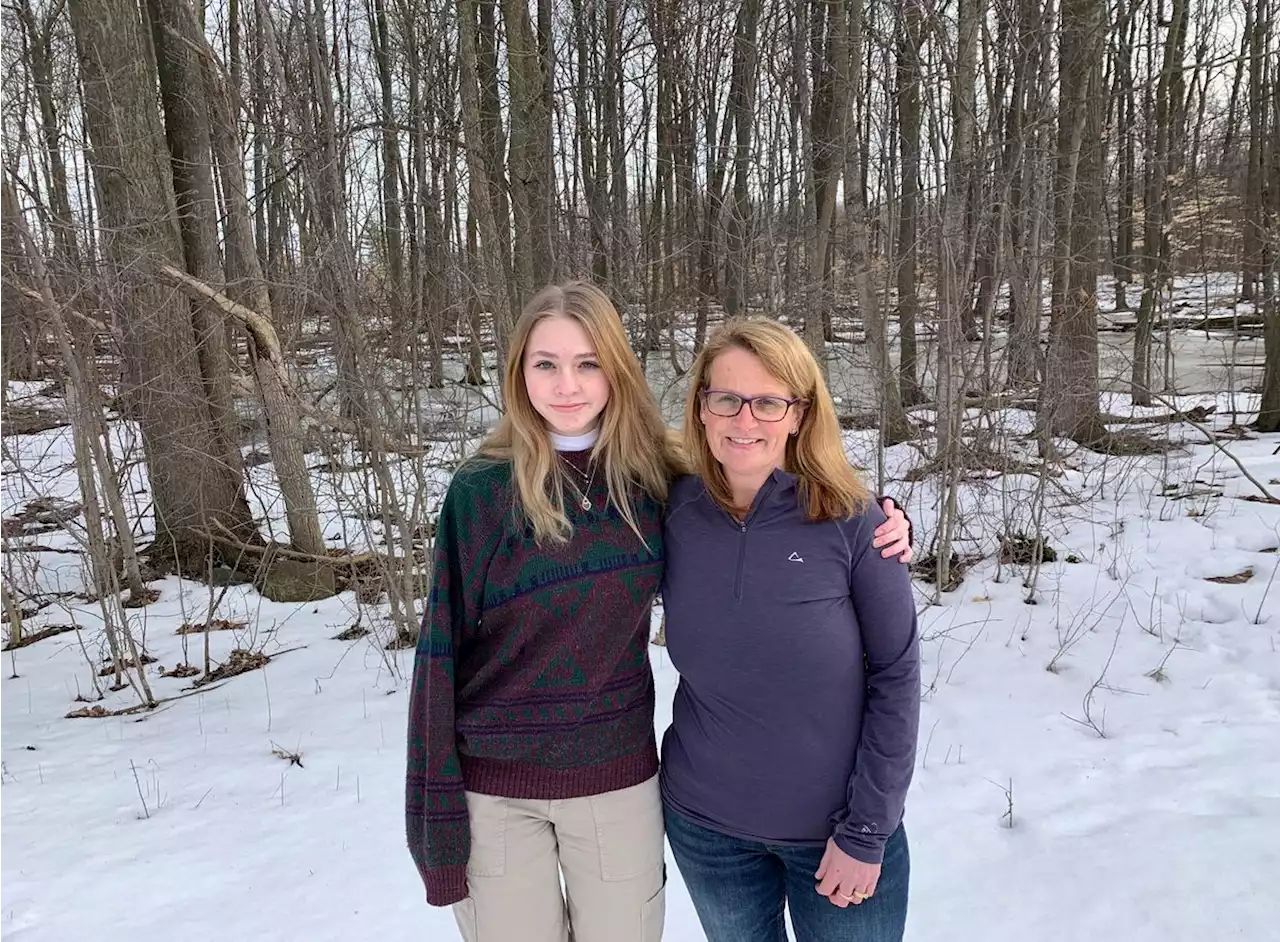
589	365
544	365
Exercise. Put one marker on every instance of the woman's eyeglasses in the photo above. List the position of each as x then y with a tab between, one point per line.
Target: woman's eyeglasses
764	408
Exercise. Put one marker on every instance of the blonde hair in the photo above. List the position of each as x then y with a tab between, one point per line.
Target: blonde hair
829	486
632	444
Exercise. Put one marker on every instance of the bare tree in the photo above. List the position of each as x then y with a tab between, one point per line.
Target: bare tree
955	248
194	480
908	98
895	427
532	180
1069	394
1156	208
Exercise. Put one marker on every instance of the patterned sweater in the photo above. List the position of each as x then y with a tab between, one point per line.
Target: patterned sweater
532	675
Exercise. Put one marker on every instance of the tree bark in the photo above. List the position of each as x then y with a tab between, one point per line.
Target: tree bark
1126	127
830	56
1155	241
908	95
1069	395
1023	152
477	132
20	328
391	215
246	284
895	427
955	247
1254	236
532	180
186	118
742	105
1269	408
191	484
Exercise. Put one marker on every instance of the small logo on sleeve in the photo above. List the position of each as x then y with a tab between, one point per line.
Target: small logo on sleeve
795	558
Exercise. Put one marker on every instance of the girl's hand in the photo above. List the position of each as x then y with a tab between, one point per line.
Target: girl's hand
894	534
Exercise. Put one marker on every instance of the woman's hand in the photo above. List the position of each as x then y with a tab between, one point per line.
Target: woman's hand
894	534
844	880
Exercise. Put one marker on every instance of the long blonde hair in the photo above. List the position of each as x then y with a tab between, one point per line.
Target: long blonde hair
829	486
632	444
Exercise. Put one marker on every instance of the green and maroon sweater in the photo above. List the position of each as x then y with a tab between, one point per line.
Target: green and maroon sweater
532	675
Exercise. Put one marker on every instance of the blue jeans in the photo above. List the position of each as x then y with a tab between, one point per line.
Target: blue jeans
739	888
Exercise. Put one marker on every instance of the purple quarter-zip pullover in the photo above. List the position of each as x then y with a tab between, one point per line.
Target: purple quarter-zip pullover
798	707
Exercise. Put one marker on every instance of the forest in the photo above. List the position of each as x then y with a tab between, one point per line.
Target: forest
261	258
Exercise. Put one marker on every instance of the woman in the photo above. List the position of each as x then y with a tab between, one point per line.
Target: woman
532	754
794	728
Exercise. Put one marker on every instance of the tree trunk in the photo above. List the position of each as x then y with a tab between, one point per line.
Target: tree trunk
955	246
1254	237
192	484
532	180
39	39
493	256
1269	408
908	94
325	182
894	424
1126	127
186	118
742	105
827	160
391	216
592	141
1023	159
1155	241
1069	395
245	284
20	328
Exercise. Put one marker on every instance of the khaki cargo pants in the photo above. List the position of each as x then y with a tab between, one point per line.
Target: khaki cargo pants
608	848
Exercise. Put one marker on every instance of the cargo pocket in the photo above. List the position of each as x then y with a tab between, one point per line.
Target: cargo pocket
488	818
629	831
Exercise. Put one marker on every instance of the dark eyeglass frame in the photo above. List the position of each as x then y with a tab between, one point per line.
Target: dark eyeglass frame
749	401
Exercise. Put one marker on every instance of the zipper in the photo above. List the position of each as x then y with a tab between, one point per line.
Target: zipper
742	561
742	541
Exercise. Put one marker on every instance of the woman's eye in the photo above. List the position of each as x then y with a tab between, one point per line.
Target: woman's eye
589	365
544	365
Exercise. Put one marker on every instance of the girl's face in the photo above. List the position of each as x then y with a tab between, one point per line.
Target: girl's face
566	384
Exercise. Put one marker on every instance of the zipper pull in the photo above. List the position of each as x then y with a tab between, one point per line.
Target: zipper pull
744	528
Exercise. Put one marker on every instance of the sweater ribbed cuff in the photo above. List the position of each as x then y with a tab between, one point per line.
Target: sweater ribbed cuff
446	885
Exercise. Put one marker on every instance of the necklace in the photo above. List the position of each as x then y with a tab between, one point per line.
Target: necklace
585	502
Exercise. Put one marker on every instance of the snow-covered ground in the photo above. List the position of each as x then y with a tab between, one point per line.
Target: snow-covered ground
1101	764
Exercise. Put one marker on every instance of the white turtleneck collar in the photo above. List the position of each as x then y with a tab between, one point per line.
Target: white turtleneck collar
575	442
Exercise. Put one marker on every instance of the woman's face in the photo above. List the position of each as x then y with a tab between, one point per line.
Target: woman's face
563	376
747	447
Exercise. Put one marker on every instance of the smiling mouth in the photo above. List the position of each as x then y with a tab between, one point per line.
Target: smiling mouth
744	442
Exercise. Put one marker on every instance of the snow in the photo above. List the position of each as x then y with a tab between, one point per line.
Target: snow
1131	792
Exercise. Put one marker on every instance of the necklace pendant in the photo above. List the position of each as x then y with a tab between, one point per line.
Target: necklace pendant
586	503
